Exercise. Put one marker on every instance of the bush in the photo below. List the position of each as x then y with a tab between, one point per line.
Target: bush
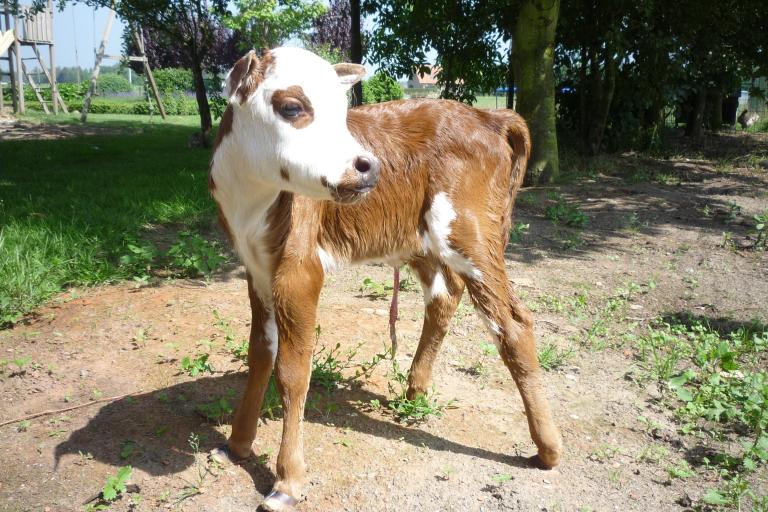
174	80
73	92
174	105
112	83
381	87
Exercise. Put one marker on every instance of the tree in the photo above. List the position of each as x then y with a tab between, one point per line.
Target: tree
333	29
532	61
469	38
356	48
190	25
269	23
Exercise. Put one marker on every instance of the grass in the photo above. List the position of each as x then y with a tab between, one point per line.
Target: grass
70	208
716	384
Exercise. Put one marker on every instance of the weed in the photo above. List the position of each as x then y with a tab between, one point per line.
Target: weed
375	289
501	478
680	470
330	365
23	426
197	365
633	223
517	231
193	255
604	452
422	407
113	487
127	449
551	357
653	454
196	487
761	230
408	283
238	348
20	363
489	349
720	385
272	404
566	214
219	409
734	211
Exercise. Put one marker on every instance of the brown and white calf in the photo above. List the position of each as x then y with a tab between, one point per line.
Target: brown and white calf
304	186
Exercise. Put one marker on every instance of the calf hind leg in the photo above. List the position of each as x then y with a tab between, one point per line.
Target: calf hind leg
442	292
511	324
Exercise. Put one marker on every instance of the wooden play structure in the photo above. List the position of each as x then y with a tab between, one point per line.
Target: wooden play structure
27	29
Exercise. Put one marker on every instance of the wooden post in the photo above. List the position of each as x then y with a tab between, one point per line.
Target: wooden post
139	40
11	71
51	80
51	59
19	74
2	103
35	88
97	66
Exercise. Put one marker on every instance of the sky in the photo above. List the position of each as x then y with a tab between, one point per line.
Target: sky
78	30
79	27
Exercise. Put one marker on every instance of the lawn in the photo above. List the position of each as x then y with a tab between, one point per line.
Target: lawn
70	208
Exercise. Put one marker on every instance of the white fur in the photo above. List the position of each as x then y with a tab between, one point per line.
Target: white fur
439	218
270	332
323	149
437	288
328	262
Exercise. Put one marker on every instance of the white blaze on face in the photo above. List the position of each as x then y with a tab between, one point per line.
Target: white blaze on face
317	152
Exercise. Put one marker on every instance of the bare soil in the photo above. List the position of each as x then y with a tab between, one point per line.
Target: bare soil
656	222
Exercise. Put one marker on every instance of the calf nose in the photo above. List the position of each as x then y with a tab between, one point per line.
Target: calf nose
369	168
365	164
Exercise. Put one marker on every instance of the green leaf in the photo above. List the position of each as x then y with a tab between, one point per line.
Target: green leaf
712	497
683	394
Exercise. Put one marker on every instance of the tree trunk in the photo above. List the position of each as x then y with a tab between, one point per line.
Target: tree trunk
603	100
533	57
202	100
695	125
357	49
510	81
730	109
715	110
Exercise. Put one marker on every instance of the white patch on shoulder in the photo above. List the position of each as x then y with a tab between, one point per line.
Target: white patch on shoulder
328	262
439	218
270	332
438	287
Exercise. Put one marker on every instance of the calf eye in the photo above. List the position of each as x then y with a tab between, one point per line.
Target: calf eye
291	110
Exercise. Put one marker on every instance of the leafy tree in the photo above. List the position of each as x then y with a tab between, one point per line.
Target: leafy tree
269	23
471	40
333	29
381	87
190	25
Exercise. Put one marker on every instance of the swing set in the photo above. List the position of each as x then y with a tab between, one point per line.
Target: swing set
29	29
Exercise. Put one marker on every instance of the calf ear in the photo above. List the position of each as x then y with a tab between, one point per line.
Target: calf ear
244	77
349	74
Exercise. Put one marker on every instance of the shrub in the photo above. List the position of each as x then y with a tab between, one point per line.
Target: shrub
381	87
175	106
112	83
174	80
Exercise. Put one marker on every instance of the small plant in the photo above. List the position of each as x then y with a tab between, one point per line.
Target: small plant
375	289
517	231
566	214
21	363
193	255
489	349
680	470
138	258
114	487
238	348
761	230
272	404
330	365
501	478
406	410
551	357
196	487
197	365
127	449
408	283
219	409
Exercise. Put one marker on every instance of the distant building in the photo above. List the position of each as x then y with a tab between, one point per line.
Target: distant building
424	80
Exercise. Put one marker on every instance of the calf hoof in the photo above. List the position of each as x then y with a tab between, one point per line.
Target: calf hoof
277	501
545	460
223	455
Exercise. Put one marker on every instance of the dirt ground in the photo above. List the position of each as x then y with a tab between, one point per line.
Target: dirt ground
656	223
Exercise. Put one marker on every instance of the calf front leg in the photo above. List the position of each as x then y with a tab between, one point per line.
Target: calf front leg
262	350
296	292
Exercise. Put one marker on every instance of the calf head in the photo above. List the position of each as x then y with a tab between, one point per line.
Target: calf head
290	110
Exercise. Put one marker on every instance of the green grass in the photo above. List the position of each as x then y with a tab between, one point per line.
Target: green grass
69	208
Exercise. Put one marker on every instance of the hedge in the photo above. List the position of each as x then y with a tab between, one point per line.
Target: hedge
174	105
174	80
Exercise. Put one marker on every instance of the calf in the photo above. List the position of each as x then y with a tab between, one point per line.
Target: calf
304	186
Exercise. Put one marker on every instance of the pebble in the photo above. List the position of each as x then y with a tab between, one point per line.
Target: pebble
83	373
